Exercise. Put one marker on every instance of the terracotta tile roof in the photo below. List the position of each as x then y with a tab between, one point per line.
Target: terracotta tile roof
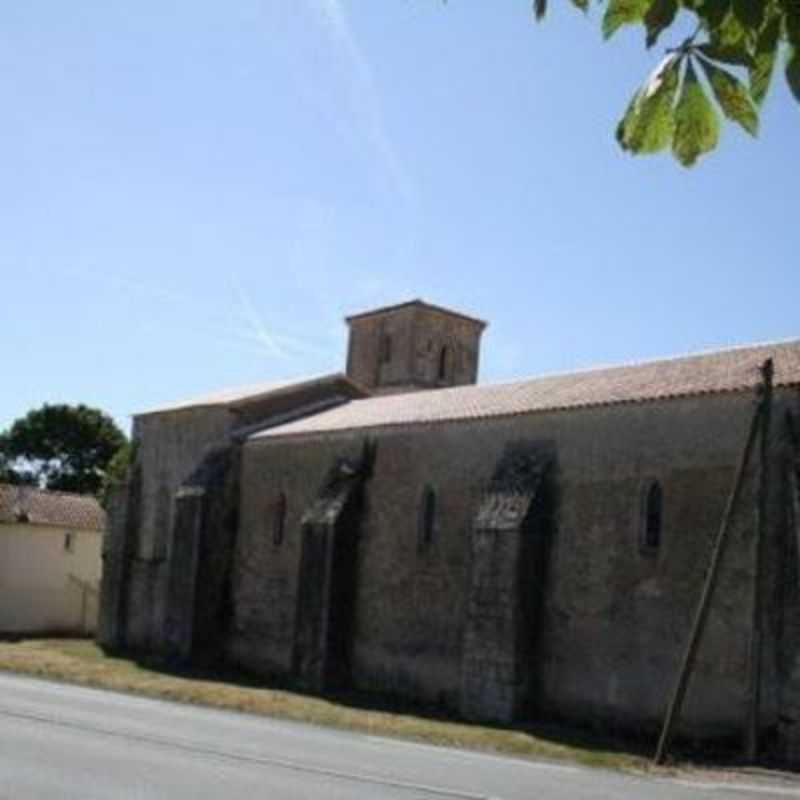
239	395
731	370
58	509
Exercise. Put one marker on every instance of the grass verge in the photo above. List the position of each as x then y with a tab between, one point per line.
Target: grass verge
81	662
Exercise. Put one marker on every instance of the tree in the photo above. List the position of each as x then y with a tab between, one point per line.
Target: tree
116	471
730	57
60	447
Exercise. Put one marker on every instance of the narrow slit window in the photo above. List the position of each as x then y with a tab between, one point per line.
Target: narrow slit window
163	519
444	358
427	517
279	519
386	349
652	523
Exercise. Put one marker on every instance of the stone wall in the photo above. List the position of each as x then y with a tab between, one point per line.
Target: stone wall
197	611
266	572
169	446
117	554
787	600
411	359
461	337
614	619
510	537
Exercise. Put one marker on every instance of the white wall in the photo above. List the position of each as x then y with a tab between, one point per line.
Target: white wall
45	587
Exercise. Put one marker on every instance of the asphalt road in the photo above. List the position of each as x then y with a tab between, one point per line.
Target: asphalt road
59	741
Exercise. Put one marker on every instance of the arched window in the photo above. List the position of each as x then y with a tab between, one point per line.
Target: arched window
652	516
279	519
444	363
427	517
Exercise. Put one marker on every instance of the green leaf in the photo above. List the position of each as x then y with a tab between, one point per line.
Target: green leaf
647	124
750	13
737	54
658	17
583	5
792	15
539	8
764	59
625	127
623	12
696	122
732	96
713	12
793	72
730	32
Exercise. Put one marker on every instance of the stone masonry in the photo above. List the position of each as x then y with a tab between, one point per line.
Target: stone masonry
509	549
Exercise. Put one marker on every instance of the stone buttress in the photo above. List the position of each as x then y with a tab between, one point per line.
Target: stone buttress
202	543
506	587
327	577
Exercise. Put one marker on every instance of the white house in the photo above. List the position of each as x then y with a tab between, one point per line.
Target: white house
50	561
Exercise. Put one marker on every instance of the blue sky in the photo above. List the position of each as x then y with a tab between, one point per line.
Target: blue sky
195	193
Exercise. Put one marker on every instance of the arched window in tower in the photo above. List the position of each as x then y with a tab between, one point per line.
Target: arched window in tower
279	519
444	363
652	517
427	518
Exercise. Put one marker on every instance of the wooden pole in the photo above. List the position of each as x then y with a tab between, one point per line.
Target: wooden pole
757	631
701	613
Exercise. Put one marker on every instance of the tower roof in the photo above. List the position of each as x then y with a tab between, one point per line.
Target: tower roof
419	303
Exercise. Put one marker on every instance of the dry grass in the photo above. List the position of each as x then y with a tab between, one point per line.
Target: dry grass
82	662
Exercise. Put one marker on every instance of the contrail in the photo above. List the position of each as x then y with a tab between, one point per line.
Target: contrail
277	344
202	317
364	103
251	317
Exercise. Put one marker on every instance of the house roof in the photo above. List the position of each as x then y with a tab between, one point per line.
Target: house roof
420	304
59	509
242	395
734	369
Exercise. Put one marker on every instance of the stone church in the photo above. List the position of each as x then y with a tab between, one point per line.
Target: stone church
525	550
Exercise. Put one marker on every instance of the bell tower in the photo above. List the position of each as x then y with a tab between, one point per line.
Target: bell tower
413	346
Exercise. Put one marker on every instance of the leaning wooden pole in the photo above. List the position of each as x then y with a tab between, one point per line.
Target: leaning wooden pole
757	627
687	664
